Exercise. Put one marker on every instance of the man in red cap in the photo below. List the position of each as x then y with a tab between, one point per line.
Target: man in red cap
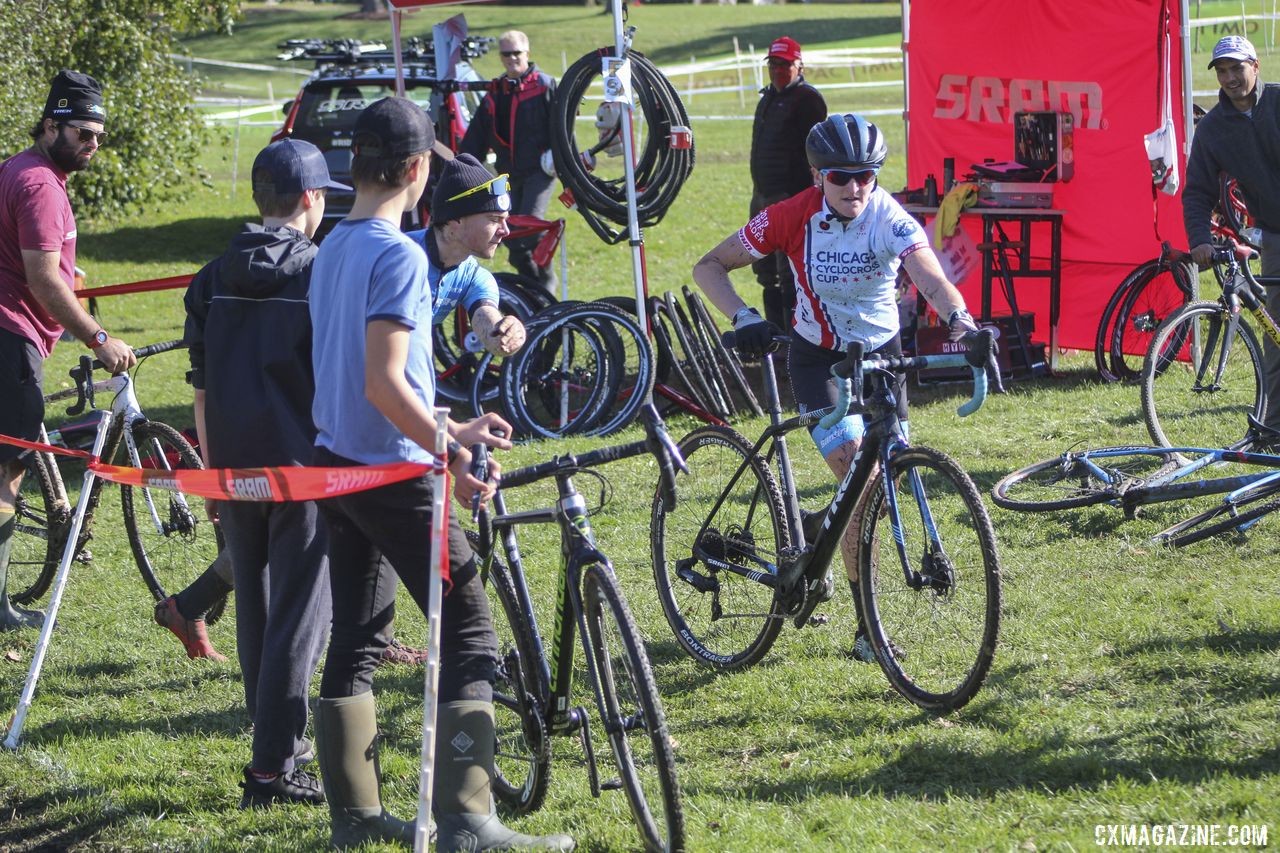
788	108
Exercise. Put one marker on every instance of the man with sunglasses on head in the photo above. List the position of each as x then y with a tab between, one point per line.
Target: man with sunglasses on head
788	108
514	121
37	274
845	238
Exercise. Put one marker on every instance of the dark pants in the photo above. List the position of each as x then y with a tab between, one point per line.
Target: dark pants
282	618
774	274
21	398
1270	353
393	524
530	195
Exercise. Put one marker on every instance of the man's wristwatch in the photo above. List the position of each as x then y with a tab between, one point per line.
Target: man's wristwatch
99	338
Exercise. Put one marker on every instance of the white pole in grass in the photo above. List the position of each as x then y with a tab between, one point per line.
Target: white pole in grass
435	588
59	585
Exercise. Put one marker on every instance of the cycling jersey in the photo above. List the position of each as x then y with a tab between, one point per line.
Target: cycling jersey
467	283
845	272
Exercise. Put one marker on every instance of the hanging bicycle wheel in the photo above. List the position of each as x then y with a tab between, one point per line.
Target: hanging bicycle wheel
631	711
1202	378
716	554
39	527
559	382
171	538
522	755
1078	479
930	581
1156	290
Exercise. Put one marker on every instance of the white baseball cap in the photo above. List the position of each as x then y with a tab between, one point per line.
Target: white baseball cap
1233	47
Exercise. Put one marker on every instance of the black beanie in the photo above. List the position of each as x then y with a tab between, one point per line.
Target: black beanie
460	174
75	96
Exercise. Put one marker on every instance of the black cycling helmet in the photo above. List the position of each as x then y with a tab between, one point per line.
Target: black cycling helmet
846	142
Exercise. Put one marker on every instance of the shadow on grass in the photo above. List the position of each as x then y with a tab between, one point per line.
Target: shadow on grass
27	828
193	242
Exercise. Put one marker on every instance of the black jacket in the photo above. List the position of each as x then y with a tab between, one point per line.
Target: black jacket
514	120
1244	146
779	167
249	332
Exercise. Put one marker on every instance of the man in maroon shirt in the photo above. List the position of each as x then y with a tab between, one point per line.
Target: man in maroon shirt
37	270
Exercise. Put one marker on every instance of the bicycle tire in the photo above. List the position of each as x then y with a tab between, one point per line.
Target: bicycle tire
935	642
185	545
711	365
1157	290
635	370
757	518
559	357
37	535
522	755
1102	338
628	701
1211	521
730	367
704	392
676	360
1065	482
1180	409
702	363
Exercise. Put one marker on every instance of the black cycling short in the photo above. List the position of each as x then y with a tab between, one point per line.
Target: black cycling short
21	377
809	367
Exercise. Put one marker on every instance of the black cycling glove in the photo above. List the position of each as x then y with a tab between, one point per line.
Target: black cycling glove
960	323
754	335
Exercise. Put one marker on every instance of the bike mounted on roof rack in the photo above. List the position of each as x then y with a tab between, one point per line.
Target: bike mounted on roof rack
355	52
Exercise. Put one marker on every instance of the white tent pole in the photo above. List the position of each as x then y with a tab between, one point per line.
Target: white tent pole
906	81
1187	108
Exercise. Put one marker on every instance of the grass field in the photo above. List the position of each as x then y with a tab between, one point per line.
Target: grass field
1133	685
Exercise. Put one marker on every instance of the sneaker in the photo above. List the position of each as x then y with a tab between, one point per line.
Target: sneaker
306	753
864	653
190	631
397	652
298	786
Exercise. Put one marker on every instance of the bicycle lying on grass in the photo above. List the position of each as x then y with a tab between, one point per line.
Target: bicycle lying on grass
735	557
537	688
1133	477
1202	379
168	534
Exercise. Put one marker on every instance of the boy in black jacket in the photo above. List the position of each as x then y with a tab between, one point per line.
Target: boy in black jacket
249	332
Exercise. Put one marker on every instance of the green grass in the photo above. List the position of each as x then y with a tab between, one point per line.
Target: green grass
1132	684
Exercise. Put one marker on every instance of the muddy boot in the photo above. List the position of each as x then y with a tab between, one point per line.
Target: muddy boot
347	737
191	632
12	618
464	774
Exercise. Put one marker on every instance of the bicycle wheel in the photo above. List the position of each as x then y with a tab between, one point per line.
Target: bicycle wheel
1223	518
40	522
727	362
934	633
1202	398
171	539
1106	323
1072	480
1156	290
631	712
672	358
559	382
695	365
522	756
723	619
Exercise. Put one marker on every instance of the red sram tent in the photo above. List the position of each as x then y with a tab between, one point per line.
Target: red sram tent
971	64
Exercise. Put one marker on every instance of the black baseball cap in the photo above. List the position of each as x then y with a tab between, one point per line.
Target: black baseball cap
392	129
293	166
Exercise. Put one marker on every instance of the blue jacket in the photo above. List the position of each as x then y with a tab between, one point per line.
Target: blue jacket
249	336
1246	147
514	120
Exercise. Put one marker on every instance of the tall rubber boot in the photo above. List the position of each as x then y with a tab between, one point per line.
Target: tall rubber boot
12	618
465	816
347	735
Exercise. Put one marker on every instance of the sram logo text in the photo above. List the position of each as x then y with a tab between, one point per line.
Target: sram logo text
993	99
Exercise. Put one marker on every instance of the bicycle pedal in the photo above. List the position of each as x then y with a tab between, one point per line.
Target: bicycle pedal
819	619
611	785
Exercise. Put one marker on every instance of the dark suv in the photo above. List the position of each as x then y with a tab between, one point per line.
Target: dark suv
349	76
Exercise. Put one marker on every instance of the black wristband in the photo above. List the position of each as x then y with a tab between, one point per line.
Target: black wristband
452	450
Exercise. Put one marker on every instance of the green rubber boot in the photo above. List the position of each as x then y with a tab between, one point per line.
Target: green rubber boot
463	797
12	618
347	737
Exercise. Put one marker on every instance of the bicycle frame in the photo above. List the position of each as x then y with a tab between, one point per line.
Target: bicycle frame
1172	485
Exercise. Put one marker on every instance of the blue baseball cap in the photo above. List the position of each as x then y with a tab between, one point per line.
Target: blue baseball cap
293	166
1234	47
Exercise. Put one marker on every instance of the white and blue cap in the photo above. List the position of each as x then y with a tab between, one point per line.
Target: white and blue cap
1233	47
293	166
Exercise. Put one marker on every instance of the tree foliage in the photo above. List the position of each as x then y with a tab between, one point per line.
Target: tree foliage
156	134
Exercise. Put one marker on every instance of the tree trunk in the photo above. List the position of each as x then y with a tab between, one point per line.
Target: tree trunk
373	7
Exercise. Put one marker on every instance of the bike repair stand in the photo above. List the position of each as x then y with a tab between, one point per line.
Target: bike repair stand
14	736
